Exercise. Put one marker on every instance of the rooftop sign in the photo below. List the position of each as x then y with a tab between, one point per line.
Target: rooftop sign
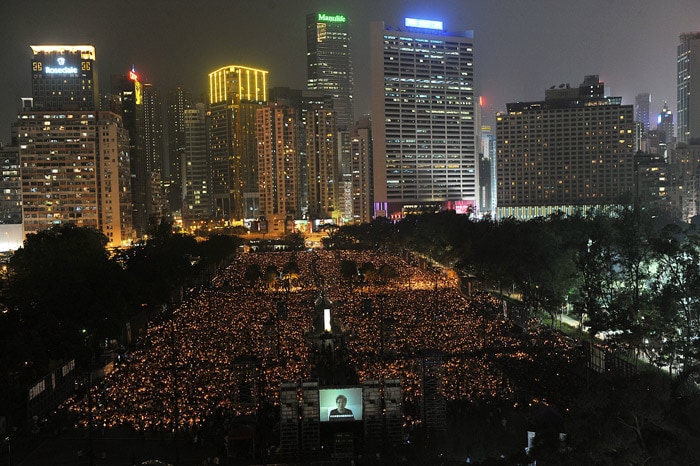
423	23
331	18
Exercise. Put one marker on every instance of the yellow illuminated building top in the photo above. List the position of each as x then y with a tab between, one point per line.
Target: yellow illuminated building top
87	52
237	82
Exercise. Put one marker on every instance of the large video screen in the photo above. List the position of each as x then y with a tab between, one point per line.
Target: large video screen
340	404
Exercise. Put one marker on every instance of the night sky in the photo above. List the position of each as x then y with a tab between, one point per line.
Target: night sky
522	46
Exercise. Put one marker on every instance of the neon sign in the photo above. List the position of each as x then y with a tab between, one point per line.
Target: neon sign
423	23
133	76
331	19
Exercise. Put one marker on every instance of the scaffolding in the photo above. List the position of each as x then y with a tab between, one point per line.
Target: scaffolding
393	405
310	418
289	420
434	405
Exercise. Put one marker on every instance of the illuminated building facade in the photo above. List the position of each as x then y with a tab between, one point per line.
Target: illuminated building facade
196	193
278	165
128	91
641	111
58	158
424	123
329	70
362	171
329	62
321	162
10	194
64	77
179	100
572	151
150	118
235	94
688	107
114	179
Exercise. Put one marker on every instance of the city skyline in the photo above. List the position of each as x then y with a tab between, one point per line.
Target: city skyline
630	44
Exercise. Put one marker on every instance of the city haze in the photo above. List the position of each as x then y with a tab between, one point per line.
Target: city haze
521	47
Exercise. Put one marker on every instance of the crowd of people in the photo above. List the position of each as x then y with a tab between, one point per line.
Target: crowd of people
229	348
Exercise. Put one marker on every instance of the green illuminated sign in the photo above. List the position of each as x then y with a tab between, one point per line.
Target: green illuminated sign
331	18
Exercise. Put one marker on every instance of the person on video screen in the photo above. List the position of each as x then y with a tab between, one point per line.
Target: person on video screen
340	412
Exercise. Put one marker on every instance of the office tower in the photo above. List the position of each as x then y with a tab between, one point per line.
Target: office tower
641	110
487	172
235	94
423	125
329	63
179	100
664	124
128	90
362	171
572	151
278	166
322	163
329	69
688	107
195	193
150	117
114	179
64	77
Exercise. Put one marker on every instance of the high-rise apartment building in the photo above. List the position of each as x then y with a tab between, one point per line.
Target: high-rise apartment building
10	183
321	163
196	191
362	171
235	94
572	151
114	179
688	108
64	77
279	165
424	118
73	160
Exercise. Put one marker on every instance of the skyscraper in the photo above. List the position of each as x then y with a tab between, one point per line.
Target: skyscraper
64	77
362	171
641	110
329	62
279	171
179	100
424	122
235	94
321	162
73	159
329	70
572	151
196	191
688	108
664	124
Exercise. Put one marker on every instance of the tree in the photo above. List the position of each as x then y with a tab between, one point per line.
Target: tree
252	274
66	292
348	270
676	282
271	276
